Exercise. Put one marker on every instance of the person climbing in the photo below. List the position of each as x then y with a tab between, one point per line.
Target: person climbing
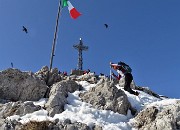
65	73
124	70
86	71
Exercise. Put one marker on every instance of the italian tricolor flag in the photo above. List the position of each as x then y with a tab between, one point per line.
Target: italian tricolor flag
73	12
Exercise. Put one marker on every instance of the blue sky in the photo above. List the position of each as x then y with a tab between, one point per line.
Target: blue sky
144	34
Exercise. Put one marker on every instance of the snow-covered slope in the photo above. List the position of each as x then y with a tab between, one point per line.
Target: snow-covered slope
79	111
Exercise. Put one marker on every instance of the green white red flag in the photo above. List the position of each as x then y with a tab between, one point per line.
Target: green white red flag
73	12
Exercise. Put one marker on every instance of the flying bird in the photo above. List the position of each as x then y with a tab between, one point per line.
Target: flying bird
25	29
106	25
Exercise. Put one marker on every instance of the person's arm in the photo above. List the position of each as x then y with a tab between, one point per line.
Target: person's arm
114	66
121	74
117	77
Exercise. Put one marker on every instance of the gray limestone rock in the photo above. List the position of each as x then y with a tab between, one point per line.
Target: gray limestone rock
49	125
17	108
50	77
147	90
89	77
166	118
58	94
107	97
16	85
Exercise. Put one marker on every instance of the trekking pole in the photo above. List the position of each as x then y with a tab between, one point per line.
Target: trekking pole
110	73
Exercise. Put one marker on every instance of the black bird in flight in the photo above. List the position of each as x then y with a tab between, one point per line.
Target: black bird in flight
106	25
25	29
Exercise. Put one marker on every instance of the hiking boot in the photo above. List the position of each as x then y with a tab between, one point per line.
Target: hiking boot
136	93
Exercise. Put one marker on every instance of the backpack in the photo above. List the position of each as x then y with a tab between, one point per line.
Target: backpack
126	67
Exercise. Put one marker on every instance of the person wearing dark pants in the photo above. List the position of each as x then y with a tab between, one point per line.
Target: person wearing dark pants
128	80
128	77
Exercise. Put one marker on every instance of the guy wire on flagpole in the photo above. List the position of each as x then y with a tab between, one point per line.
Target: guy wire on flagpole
54	40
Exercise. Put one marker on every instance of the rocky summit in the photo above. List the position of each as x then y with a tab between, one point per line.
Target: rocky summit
63	99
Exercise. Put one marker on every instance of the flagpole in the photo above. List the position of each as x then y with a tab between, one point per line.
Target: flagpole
54	41
55	35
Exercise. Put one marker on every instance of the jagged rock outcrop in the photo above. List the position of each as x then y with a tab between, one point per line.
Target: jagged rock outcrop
16	85
20	86
147	90
58	94
89	77
50	77
107	96
166	117
17	108
48	125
